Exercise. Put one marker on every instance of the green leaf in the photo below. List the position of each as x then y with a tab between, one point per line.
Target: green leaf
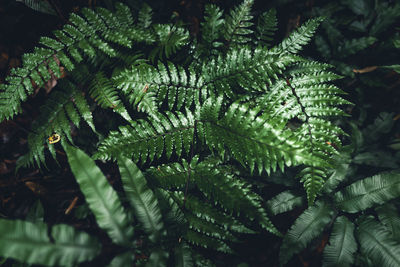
30	243
338	175
359	7
142	199
376	158
157	258
342	244
351	47
39	5
183	256
389	216
308	226
283	202
382	125
267	26
103	201
122	260
299	37
368	192
377	243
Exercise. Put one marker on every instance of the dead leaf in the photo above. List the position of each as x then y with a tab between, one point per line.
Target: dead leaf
366	69
36	188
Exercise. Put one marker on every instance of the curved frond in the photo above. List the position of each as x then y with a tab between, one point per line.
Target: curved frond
121	260
285	201
232	194
141	198
183	256
266	27
39	5
307	226
29	242
266	144
169	39
106	95
300	37
377	243
368	192
149	139
237	24
211	28
166	83
103	201
65	106
168	176
158	257
389	215
86	35
211	213
342	244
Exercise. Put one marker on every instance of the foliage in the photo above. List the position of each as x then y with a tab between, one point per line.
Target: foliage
363	211
191	123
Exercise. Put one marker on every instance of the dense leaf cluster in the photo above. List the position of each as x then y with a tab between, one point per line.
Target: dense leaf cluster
195	124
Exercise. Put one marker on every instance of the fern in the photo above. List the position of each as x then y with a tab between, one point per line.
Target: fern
237	24
377	244
355	237
29	242
374	190
266	27
39	5
202	117
109	212
342	244
308	226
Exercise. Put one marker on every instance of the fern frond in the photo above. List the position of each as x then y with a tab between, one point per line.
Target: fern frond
300	37
183	256
350	47
209	229
102	199
389	216
39	5
342	244
83	36
237	24
106	95
307	226
168	176
239	130
141	198
196	238
377	244
284	202
146	85
145	16
266	27
249	69
210	213
233	195
150	138
211	28
65	106
30	243
307	97
123	259
368	192
169	39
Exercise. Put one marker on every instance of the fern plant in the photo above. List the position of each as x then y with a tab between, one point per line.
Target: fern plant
31	242
197	115
360	214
